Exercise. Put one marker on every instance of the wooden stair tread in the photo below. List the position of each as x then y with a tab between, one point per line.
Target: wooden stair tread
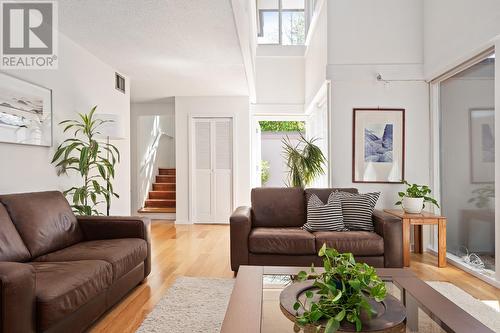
162	195
157	210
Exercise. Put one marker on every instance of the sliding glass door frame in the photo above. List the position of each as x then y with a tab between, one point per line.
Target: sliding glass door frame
435	158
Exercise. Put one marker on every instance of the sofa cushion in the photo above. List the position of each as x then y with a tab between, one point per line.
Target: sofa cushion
324	217
278	207
12	247
324	193
63	287
359	243
44	220
281	241
123	254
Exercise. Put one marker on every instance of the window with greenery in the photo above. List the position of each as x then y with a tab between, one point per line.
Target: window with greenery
281	22
282	126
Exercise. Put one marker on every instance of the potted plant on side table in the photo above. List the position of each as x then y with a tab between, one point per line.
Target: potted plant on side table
414	198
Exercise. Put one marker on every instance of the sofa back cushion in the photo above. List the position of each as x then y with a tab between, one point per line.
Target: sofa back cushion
44	220
324	193
278	207
12	247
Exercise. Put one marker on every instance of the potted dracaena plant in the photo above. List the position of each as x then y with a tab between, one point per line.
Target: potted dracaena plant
414	198
304	160
90	159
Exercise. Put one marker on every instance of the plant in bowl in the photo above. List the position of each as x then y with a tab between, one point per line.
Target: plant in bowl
342	293
414	198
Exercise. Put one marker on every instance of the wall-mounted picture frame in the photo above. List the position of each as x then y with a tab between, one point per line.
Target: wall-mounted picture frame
378	141
482	145
25	112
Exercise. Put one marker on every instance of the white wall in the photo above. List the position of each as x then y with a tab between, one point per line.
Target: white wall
280	80
80	82
455	30
153	145
212	106
369	32
315	60
272	151
413	97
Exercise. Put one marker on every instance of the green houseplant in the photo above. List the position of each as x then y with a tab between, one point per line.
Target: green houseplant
414	198
304	160
264	172
92	160
344	289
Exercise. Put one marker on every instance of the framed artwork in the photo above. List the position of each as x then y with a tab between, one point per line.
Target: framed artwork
482	145
378	141
25	112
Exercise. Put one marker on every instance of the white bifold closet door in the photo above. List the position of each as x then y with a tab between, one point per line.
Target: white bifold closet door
212	170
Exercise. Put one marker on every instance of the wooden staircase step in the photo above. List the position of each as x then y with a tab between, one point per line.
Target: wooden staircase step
165	179
163	187
167	172
162	195
159	203
157	210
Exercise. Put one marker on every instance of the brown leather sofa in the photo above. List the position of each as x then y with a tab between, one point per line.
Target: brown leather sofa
59	272
269	233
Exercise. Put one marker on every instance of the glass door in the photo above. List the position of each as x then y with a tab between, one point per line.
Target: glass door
467	164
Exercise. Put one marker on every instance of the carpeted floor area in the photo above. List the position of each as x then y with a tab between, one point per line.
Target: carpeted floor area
199	304
191	305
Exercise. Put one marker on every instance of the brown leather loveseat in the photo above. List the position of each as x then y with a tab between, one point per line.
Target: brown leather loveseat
269	233
59	272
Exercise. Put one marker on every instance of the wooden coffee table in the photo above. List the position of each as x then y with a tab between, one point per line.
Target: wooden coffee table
418	220
254	305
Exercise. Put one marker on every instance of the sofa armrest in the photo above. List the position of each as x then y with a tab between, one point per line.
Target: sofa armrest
240	226
17	297
390	228
112	227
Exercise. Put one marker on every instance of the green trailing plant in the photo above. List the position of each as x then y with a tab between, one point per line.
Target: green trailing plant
417	191
264	172
304	160
92	160
343	289
482	196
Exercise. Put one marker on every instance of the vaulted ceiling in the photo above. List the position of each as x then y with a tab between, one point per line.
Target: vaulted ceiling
166	47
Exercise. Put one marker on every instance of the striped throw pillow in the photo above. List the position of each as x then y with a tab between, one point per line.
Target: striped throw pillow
324	217
357	210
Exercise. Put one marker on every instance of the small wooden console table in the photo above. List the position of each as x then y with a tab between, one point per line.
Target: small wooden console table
418	220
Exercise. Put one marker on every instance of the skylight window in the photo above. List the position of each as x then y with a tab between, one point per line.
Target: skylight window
281	22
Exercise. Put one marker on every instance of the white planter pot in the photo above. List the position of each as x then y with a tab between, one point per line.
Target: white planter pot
413	205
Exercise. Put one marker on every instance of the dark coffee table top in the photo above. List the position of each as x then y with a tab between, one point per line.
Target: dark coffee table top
254	303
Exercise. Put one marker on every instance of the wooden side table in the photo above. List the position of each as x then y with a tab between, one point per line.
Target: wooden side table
418	220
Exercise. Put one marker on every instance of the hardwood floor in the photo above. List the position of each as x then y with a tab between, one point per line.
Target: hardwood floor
203	250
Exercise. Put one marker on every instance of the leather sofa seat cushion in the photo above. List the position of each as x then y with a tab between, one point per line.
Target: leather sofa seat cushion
278	207
290	241
359	243
123	254
12	247
63	287
44	221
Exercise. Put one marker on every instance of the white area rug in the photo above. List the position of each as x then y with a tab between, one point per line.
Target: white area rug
198	305
191	305
478	309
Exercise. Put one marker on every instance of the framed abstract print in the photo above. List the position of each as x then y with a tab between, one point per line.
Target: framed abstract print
482	145
378	145
25	112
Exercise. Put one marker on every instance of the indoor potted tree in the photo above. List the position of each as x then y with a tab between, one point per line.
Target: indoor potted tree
414	198
305	161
